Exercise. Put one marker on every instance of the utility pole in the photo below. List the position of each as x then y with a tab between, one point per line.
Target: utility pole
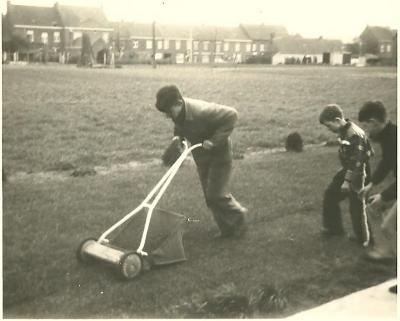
215	45
191	45
154	44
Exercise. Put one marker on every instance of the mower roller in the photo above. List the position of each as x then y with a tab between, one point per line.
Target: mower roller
129	246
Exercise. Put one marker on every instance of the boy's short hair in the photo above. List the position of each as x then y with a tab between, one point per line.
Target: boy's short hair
166	97
330	112
372	109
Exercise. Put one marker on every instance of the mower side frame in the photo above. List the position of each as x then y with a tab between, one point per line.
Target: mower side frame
149	202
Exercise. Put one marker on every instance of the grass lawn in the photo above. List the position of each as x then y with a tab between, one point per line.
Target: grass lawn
56	118
44	222
53	118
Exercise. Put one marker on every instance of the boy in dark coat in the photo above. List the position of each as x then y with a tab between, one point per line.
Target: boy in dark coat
210	124
373	119
354	153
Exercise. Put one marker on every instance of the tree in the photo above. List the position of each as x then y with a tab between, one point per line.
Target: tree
14	43
87	58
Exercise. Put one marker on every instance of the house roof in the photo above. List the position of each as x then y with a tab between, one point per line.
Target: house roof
135	29
196	32
84	17
380	33
230	33
175	31
33	16
203	32
263	32
299	45
217	33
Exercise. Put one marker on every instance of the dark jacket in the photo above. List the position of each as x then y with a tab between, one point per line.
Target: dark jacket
388	141
207	121
354	153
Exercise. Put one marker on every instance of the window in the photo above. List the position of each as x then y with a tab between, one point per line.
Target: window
180	58
177	44
76	35
254	47
388	48
166	44
248	47
106	36
56	37
382	48
29	35
237	46
218	46
262	47
226	46
44	37
149	44
205	59
159	44
206	45
135	44
195	45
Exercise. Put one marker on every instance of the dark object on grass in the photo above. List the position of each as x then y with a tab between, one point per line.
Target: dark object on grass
225	302
268	299
232	306
332	143
393	289
238	154
172	153
294	142
62	166
83	172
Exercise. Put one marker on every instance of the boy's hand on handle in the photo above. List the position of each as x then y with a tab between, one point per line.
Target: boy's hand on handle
172	152
375	201
363	193
345	188
207	144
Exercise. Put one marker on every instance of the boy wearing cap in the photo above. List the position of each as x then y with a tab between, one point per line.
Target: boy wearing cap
210	124
373	119
354	153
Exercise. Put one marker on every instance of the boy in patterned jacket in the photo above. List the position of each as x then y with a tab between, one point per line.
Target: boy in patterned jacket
354	153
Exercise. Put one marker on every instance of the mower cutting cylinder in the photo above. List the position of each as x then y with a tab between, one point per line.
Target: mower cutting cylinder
97	250
128	262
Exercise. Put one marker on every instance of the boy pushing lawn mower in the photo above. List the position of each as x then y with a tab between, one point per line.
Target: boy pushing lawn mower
211	125
156	234
354	153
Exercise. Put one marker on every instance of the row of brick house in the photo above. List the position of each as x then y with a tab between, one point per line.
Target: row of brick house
55	34
32	33
379	45
194	44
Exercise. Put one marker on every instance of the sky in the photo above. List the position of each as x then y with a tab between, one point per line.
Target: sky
333	19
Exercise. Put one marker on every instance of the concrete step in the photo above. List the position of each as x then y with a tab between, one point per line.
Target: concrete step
374	303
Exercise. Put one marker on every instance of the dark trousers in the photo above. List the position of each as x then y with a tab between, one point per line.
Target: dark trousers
214	176
331	213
